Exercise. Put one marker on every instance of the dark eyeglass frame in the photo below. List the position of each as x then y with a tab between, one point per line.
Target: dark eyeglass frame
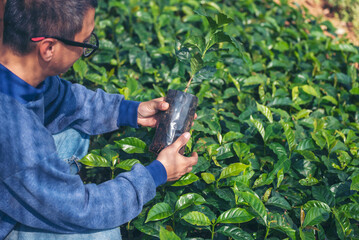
71	43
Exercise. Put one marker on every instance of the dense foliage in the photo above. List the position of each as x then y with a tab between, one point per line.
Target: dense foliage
278	126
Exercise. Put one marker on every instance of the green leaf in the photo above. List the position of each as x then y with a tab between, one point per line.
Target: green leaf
218	37
289	135
330	99
189	199
195	41
317	204
184	55
280	177
186	179
235	232
266	112
241	149
308	181
159	211
167	235
230	136
302	114
196	64
351	210
344	47
127	164
235	215
305	235
132	145
197	218
315	216
279	202
310	90
208	177
343	224
280	222
254	80
256	204
259	127
233	170
94	160
223	19
355	183
81	68
308	155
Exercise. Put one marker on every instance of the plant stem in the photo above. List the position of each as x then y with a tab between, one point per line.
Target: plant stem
267	233
189	82
213	231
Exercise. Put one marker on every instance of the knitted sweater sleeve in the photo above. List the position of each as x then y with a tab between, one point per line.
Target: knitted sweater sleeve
92	112
37	189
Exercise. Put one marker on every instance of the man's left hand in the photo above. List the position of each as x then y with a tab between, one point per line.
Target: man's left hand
148	112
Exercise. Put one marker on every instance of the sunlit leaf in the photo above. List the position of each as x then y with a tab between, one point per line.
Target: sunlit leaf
235	215
94	160
259	127
188	199
132	145
208	177
256	204
159	211
265	111
186	179
197	218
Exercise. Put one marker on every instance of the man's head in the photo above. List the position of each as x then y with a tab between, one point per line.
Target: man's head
24	19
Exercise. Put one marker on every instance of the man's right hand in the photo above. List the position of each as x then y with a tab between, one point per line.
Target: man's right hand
175	164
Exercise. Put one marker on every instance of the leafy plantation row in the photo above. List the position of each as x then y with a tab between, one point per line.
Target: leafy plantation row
277	127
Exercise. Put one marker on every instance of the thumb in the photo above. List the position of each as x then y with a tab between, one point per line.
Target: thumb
182	140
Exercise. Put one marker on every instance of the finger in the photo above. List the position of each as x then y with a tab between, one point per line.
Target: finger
194	158
160	104
181	141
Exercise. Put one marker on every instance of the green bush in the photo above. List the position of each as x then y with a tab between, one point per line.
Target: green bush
277	122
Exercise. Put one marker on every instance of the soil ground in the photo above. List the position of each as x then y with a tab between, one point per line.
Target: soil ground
323	10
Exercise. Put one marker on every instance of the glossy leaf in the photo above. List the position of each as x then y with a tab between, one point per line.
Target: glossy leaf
315	216
235	232
189	199
159	211
208	177
197	218
94	160
343	224
235	215
132	145
289	135
186	179
256	204
259	127
233	170
266	112
167	235
127	164
317	204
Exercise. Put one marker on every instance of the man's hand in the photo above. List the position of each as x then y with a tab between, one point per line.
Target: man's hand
147	111
175	164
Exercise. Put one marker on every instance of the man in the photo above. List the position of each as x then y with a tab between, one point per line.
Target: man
43	117
2	7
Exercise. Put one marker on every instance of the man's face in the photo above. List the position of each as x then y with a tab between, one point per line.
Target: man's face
67	55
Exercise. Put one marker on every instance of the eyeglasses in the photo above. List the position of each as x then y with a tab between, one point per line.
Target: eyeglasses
89	46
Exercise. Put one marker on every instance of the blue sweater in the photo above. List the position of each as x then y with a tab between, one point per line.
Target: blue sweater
36	187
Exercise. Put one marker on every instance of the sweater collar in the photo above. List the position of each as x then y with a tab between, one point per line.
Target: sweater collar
13	86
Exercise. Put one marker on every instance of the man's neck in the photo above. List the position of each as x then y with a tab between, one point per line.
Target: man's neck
25	67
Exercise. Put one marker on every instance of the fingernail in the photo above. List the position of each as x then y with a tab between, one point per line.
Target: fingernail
187	135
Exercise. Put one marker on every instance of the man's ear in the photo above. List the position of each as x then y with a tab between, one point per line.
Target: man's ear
47	49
